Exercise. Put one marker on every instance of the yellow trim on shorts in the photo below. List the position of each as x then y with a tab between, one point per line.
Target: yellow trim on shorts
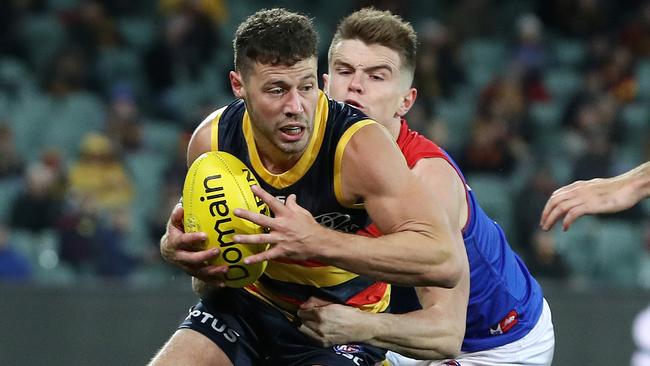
338	160
292	175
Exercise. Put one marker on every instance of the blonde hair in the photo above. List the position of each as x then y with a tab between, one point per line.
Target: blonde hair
372	26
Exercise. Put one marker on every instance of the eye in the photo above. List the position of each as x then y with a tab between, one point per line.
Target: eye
344	71
276	91
307	87
376	77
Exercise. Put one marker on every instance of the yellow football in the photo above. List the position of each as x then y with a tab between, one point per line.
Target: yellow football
217	183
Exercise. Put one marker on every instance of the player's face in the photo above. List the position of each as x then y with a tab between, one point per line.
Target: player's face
281	101
370	78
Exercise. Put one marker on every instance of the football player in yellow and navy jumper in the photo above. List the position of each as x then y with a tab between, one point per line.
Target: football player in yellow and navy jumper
334	166
259	317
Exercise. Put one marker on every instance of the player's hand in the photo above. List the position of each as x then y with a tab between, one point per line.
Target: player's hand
293	232
600	195
186	251
331	324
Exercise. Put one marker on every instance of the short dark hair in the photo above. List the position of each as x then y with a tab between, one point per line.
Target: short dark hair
372	26
276	37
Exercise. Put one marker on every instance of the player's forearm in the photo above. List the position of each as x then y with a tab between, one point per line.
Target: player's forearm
639	177
420	334
406	257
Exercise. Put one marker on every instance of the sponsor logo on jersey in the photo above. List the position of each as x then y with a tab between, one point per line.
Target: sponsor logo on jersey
347	350
452	363
505	324
337	221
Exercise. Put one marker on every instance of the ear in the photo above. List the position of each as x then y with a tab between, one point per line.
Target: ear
407	102
237	84
326	83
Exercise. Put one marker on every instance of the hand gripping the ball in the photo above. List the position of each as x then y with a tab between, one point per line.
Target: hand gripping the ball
293	232
187	251
216	183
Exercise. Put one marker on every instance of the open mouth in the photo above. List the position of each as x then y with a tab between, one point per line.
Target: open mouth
292	133
292	130
354	103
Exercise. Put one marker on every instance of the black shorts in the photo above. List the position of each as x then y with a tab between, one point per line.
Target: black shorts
253	333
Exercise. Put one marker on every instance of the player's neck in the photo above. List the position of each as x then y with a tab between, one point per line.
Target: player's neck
277	162
393	126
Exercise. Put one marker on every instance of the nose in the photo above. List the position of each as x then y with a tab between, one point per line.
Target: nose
356	84
293	105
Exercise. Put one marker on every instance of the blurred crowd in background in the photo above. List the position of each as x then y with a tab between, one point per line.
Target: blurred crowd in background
98	99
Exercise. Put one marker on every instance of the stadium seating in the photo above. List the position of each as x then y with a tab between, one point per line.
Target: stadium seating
568	52
619	249
643	79
561	82
44	36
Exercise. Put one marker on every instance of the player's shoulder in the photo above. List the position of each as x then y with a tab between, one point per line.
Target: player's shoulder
201	140
224	113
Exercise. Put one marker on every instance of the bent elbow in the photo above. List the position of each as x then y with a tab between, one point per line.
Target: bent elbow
446	276
453	348
448	347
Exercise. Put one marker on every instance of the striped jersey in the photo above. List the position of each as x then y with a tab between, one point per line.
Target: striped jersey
316	181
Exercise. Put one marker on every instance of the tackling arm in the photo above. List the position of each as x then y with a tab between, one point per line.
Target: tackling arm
418	210
435	332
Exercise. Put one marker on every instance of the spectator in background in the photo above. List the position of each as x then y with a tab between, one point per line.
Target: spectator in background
94	241
186	44
110	258
529	50
68	73
496	144
37	207
488	149
592	120
11	164
92	29
100	176
95	226
530	57
13	265
52	160
529	202
592	87
439	70
76	231
123	122
173	180
614	66
618	74
635	34
544	261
